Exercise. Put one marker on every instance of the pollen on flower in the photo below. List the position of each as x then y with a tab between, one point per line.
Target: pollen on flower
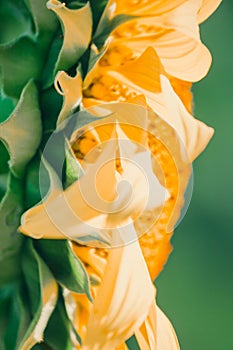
116	55
109	89
130	30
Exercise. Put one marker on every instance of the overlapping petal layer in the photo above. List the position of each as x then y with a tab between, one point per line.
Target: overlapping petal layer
171	28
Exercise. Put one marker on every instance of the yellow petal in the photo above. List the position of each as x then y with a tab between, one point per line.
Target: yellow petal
123	300
146	335
27	219
166	337
71	89
145	71
94	260
180	50
194	134
207	8
157	332
142	8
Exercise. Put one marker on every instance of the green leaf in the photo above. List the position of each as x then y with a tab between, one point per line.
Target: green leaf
78	21
20	62
21	132
11	209
15	21
66	267
42	292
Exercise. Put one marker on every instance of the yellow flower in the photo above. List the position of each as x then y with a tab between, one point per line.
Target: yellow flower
124	300
150	60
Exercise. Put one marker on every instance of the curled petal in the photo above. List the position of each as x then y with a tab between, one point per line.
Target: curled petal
71	89
194	134
157	332
207	8
123	300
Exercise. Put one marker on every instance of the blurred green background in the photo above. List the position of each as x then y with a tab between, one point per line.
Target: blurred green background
196	287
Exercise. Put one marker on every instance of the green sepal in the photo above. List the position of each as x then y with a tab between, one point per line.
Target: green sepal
73	167
45	21
7	106
14	315
66	267
107	24
75	4
4	159
42	292
97	8
79	120
11	242
49	70
5	305
51	104
15	21
21	132
37	182
132	343
20	62
94	58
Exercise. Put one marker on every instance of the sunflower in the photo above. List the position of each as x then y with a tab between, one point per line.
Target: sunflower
98	141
